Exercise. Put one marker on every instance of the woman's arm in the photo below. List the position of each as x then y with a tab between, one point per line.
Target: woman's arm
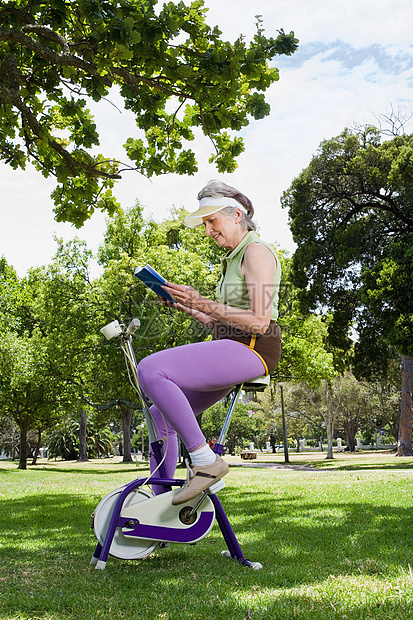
258	268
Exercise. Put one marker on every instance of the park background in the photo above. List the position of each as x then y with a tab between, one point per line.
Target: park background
334	537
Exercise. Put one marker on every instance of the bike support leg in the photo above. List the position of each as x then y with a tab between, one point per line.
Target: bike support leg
226	529
103	556
162	473
228	533
96	555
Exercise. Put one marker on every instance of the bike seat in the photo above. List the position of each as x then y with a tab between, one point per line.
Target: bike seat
257	385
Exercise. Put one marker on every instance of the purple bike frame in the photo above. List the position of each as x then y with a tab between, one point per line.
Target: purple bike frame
102	551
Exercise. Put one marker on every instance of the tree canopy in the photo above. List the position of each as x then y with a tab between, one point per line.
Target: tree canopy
351	213
54	316
31	390
173	71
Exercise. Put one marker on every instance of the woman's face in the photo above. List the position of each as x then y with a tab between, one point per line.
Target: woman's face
225	231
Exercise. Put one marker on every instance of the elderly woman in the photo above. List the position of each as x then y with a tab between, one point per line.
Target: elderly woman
184	381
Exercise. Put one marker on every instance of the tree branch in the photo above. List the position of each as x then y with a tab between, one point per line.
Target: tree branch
13	97
383	203
70	60
133	81
65	59
47	33
110	404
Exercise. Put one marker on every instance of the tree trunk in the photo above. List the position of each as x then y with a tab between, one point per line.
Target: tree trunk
14	445
329	418
126	420
404	444
330	422
37	447
350	428
24	427
273	443
330	432
82	438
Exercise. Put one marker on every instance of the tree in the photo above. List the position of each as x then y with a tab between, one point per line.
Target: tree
31	392
268	417
63	441
302	417
306	358
321	406
242	429
358	409
342	403
387	289
82	438
305	354
172	70
351	213
9	433
71	308
376	364
303	410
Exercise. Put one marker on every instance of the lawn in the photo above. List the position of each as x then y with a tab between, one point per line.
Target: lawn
334	538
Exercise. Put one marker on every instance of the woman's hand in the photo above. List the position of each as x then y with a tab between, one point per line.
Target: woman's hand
167	303
188	300
186	296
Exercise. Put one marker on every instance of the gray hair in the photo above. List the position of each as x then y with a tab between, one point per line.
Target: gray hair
218	189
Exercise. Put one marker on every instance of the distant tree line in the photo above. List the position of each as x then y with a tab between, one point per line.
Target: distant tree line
56	367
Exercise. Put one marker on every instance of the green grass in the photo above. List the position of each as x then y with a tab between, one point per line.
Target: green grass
335	541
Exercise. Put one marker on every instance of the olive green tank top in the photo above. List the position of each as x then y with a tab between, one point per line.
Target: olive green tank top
232	288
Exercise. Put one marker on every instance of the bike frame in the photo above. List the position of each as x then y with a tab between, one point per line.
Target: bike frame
102	551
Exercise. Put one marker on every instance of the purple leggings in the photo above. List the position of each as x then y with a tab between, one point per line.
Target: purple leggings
184	381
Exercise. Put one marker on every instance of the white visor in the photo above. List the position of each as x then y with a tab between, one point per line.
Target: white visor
207	206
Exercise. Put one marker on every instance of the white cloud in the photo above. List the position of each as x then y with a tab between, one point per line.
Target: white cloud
354	61
354	21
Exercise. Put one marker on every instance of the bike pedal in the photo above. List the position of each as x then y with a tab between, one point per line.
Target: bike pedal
217	486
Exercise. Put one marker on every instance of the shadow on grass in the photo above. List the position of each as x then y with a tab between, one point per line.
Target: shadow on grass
335	537
359	466
324	539
47	544
119	468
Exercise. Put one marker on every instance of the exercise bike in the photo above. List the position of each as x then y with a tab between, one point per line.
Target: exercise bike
130	522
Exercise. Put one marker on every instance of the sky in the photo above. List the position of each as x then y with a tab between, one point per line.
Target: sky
354	64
